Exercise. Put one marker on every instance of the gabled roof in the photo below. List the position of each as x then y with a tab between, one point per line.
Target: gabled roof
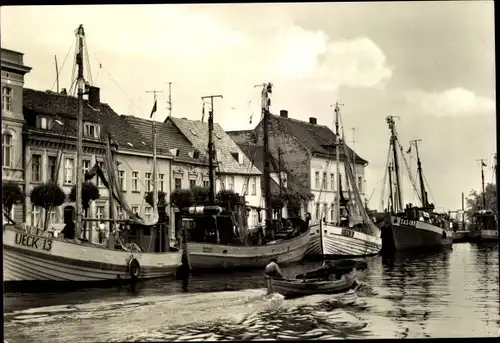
197	133
256	155
63	108
314	137
168	137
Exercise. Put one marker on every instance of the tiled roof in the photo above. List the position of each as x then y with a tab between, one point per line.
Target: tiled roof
256	154
168	137
64	108
312	136
197	133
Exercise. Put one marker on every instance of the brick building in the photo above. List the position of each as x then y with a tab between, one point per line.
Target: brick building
307	155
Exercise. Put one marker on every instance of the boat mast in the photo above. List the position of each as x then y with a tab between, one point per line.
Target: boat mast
482	181
79	129
267	88
391	196
394	138
425	203
337	156
211	191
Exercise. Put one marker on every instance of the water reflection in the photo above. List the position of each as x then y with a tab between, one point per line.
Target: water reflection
409	294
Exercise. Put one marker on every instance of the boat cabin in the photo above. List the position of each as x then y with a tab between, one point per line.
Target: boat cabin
483	220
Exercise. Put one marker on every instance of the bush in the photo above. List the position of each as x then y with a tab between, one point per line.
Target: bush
200	194
162	199
227	198
90	192
182	198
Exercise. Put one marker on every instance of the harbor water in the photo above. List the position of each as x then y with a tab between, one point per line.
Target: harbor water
452	293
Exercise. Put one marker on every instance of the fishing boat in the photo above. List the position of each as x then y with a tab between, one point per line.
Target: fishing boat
32	254
214	233
293	288
484	223
412	226
354	234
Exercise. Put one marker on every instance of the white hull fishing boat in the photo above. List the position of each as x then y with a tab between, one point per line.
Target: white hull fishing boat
33	255
411	227
357	235
229	251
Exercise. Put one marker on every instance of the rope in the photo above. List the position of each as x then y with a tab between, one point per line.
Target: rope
62	66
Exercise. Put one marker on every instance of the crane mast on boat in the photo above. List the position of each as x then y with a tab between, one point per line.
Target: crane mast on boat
80	33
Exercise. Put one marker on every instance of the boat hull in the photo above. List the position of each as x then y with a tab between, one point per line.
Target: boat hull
339	242
314	248
299	288
402	234
461	236
31	257
217	256
484	236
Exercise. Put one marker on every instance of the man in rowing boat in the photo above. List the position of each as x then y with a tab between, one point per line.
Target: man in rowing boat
271	272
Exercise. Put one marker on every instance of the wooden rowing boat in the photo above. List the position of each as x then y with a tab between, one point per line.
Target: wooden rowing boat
293	288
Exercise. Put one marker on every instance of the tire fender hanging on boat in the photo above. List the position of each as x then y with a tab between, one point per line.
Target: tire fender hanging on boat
134	268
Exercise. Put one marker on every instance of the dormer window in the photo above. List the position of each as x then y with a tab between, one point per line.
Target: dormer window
217	135
194	133
238	157
130	144
91	130
44	123
174	152
196	154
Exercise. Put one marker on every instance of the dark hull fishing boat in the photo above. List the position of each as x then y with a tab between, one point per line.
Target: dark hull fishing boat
219	237
411	227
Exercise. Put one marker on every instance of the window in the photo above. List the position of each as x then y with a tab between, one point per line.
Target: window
91	130
85	166
325	211
119	212
68	170
52	217
332	181
135	209
36	162
230	182
121	179
148	212
253	185
325	182
317	180
332	212
35	216
317	211
147	180
161	179
192	183
99	213
98	181
360	184
11	215
7	150
52	168
206	183
135	181
245	187
255	218
44	123
178	183
6	99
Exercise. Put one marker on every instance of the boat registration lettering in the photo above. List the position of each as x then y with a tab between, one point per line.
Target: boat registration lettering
407	222
30	241
347	233
207	249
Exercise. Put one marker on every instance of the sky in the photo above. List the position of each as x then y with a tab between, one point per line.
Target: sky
429	63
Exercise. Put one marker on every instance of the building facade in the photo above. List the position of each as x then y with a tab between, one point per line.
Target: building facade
50	153
307	153
13	72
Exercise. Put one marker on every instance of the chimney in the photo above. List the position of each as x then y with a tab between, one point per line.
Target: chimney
312	120
94	96
284	113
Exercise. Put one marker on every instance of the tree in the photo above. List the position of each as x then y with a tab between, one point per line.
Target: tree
47	196
227	198
162	199
200	194
90	192
475	199
277	201
182	198
12	195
